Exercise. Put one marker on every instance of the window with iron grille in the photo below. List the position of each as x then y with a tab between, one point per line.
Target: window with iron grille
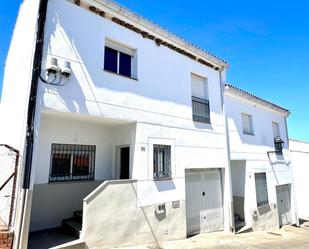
200	103
200	109
161	161
72	162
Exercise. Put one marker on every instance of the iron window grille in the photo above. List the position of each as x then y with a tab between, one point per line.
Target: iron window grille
201	110
72	162
161	162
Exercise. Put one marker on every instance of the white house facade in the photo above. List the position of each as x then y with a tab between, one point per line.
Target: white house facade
262	182
129	129
123	126
299	151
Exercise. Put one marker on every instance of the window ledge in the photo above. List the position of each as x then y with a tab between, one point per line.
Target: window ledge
248	133
111	72
162	179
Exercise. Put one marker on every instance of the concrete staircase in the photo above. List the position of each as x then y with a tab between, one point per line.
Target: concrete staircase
74	225
239	223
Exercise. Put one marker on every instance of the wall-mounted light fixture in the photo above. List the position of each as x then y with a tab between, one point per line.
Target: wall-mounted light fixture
278	144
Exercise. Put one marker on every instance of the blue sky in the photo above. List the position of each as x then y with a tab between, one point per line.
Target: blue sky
265	42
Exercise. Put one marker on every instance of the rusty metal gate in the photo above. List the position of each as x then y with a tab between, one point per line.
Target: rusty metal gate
9	160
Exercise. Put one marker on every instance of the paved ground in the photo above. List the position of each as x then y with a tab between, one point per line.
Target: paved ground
288	237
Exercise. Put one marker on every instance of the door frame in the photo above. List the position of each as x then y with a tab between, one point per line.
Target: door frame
117	167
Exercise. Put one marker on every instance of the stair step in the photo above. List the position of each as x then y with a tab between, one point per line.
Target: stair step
236	217
78	215
73	226
239	224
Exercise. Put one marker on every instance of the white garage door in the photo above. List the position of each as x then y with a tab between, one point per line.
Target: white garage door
204	207
284	204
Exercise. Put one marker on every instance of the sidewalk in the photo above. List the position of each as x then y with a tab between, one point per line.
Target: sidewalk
289	237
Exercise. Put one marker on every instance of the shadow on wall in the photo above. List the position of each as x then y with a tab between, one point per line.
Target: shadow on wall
72	95
165	185
73	42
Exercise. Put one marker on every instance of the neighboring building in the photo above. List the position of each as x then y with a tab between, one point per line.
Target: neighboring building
121	127
128	126
261	173
299	151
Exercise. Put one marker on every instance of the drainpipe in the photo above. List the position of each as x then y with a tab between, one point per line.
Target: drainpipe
228	169
36	70
292	173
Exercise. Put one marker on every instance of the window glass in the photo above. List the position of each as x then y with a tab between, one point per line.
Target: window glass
61	164
261	189
125	64
161	161
276	130
111	60
198	87
247	124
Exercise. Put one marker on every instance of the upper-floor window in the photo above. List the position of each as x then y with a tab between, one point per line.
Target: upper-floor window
276	129
120	59
200	99
161	161
247	124
261	189
70	162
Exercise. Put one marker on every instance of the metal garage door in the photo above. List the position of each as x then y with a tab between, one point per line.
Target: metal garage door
204	207
284	204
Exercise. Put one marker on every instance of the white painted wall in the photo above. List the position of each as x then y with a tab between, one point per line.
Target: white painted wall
17	76
253	150
300	163
92	91
105	136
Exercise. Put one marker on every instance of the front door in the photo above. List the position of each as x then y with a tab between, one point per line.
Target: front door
204	207
125	163
284	204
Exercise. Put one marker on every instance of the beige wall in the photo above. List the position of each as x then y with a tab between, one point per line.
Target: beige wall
265	218
113	207
56	201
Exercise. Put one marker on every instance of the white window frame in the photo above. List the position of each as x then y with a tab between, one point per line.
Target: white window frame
276	129
250	119
120	47
266	201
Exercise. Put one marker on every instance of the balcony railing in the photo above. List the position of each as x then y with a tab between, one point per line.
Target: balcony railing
201	110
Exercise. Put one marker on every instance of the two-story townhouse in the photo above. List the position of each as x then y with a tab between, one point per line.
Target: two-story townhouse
299	151
262	183
123	122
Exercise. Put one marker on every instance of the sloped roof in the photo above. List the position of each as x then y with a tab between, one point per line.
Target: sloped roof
132	16
253	98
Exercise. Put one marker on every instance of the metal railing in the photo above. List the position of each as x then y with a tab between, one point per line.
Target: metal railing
200	110
161	175
9	160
